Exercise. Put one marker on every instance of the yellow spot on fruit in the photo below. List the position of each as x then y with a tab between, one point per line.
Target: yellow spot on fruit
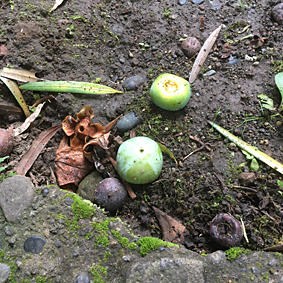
171	86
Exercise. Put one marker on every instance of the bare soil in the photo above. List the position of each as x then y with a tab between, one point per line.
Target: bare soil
110	41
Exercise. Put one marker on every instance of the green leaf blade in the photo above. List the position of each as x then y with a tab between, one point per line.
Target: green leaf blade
250	149
69	86
279	83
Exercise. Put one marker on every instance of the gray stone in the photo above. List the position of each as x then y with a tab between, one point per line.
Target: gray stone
82	278
4	272
127	122
88	185
12	201
177	270
34	244
133	83
217	256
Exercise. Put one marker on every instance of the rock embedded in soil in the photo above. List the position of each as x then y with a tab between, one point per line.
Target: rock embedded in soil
277	13
87	186
182	2
190	46
34	244
82	278
133	83
12	201
127	122
4	272
197	2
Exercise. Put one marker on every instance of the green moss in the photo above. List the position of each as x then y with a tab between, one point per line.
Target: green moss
40	279
106	256
122	240
148	244
234	252
132	246
81	208
96	271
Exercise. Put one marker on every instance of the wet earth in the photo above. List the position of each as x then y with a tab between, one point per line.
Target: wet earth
108	42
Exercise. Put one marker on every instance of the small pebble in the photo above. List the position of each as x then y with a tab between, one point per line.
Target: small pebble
82	278
34	244
4	272
68	201
45	191
182	2
126	258
197	2
133	83
127	122
209	73
161	248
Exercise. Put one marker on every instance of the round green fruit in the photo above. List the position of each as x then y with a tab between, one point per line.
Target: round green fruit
170	92
139	160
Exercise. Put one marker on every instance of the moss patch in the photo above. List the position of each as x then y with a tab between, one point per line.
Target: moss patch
148	244
233	253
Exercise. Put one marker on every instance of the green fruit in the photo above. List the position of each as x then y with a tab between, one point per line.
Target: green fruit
139	160
170	92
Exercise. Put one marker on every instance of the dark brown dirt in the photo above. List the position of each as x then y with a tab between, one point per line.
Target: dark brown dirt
110	41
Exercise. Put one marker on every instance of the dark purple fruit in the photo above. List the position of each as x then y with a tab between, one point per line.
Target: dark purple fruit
190	46
110	194
226	230
6	142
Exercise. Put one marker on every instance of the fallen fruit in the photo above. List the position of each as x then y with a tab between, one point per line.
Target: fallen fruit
190	46
110	194
139	160
226	230
6	142
170	92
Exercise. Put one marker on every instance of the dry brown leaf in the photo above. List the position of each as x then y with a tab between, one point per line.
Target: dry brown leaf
35	149
70	165
19	75
203	54
3	50
28	120
9	109
57	4
172	230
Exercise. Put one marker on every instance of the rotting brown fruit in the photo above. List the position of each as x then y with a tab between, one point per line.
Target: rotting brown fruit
226	230
190	46
110	194
6	142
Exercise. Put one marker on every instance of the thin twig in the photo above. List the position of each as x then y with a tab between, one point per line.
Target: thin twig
245	188
196	150
41	100
223	185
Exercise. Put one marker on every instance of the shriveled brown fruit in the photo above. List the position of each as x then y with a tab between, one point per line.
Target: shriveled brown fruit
6	142
190	46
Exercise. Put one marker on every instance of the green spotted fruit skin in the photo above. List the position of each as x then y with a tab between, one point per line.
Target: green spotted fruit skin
170	92
139	160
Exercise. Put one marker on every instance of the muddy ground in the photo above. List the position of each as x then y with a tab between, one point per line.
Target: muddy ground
110	41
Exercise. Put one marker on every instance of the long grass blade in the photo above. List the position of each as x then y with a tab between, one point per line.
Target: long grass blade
13	87
250	149
202	55
69	86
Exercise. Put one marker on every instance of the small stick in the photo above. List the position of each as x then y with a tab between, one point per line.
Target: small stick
245	188
41	100
126	184
223	185
198	149
201	142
